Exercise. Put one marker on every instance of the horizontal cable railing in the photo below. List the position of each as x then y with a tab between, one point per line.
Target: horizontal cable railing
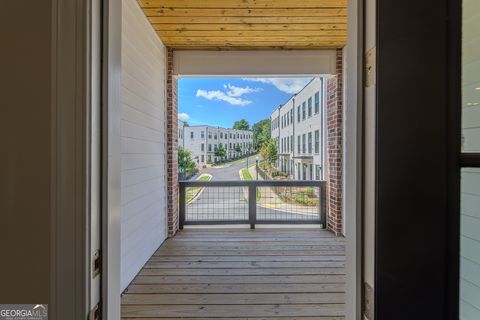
252	202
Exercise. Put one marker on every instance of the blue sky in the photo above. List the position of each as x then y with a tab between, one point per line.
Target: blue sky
222	101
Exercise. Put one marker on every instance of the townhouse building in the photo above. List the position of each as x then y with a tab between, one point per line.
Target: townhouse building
204	141
298	127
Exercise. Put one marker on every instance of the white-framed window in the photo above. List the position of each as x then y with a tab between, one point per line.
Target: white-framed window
317	141
310	106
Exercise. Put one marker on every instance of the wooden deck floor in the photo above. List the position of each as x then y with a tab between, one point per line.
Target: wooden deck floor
242	274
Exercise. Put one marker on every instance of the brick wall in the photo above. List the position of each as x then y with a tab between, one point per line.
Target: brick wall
172	147
335	147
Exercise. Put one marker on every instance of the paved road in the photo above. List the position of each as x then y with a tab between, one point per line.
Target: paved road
230	203
229	171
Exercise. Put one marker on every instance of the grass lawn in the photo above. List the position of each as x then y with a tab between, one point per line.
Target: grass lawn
191	192
247	176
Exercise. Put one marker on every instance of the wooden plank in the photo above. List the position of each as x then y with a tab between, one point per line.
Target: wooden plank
251	246
251	4
242	12
212	230
241	275
147	277
240	244
247	20
240	271
248	233
246	258
214	311
326	241
234	298
161	252
236	288
251	27
259	46
243	264
265	38
252	33
243	318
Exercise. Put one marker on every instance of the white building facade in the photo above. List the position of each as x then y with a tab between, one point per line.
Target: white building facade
298	127
204	141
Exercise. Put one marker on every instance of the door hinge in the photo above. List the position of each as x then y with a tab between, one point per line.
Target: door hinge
97	263
96	312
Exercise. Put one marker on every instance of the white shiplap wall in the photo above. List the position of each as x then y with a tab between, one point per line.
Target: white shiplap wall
143	225
470	198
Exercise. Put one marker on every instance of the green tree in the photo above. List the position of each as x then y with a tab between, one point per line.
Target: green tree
220	152
238	148
261	133
241	125
185	123
185	161
269	151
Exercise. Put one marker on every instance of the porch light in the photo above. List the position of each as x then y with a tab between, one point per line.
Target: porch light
477	88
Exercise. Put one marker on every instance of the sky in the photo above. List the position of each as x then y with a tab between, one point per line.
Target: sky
222	101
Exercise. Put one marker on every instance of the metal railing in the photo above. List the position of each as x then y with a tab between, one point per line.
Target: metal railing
252	202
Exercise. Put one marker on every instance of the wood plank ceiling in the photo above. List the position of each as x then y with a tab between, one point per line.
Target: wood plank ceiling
248	24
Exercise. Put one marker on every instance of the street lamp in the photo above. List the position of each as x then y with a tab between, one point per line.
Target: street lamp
257	166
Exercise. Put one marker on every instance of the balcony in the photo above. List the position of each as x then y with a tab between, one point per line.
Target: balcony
255	271
242	273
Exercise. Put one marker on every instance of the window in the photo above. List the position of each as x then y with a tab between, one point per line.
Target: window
310	106
203	158
191	135
298	114
304	145
209	147
291	142
221	135
203	147
309	142
317	172
298	144
317	141
209	135
215	148
230	135
311	171
209	158
215	136
202	134
304	110
317	102
291	116
230	145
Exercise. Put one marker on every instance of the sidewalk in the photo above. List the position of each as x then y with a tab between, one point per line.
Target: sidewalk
270	200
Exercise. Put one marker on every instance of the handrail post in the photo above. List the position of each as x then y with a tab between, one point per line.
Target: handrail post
252	205
182	204
323	204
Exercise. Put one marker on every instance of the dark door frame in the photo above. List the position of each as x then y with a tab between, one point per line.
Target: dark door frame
417	159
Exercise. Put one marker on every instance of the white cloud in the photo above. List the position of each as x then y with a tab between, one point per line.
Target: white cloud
221	96
234	91
287	85
183	116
